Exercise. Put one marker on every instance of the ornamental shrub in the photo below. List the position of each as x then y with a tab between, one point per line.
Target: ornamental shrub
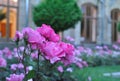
60	14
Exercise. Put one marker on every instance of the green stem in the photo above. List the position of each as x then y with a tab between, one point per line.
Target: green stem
20	59
24	55
38	65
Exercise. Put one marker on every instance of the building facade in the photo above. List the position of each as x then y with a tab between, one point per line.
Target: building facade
99	23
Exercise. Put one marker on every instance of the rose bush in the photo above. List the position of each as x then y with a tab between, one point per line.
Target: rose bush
100	55
39	55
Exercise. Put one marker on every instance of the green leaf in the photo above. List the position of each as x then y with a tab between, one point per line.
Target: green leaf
118	26
31	74
3	69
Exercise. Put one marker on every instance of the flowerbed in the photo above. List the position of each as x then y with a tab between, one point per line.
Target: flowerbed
100	55
39	55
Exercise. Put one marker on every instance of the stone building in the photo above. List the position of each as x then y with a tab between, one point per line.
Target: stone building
99	23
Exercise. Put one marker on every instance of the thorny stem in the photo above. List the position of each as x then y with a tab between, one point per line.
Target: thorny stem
38	65
20	59
24	54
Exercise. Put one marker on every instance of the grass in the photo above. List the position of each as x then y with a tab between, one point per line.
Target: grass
96	73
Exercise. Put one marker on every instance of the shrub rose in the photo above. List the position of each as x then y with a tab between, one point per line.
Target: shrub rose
15	77
48	33
18	36
33	36
3	62
53	52
60	69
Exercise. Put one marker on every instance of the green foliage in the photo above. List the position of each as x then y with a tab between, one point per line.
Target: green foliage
118	26
96	73
60	14
31	74
50	73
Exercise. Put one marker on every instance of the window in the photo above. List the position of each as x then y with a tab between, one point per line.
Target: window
115	14
8	25
88	25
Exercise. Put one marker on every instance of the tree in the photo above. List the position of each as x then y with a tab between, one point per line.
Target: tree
60	14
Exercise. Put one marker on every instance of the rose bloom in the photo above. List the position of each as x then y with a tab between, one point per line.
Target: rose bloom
7	53
3	62
32	35
15	77
48	33
69	53
13	67
60	69
34	38
53	52
20	66
79	65
34	55
18	36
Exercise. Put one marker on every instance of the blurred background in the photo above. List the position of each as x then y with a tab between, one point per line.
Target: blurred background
98	24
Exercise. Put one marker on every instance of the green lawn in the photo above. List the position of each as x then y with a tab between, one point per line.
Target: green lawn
97	73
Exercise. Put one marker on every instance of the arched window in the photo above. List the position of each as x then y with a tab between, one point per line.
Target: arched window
88	25
8	25
115	15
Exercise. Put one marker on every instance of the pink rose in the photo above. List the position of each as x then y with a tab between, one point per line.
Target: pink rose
3	62
33	36
115	47
13	67
18	36
54	37
84	63
105	47
17	66
68	59
15	77
48	33
68	48
81	49
79	65
60	69
7	53
69	53
34	55
109	51
53	52
20	66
